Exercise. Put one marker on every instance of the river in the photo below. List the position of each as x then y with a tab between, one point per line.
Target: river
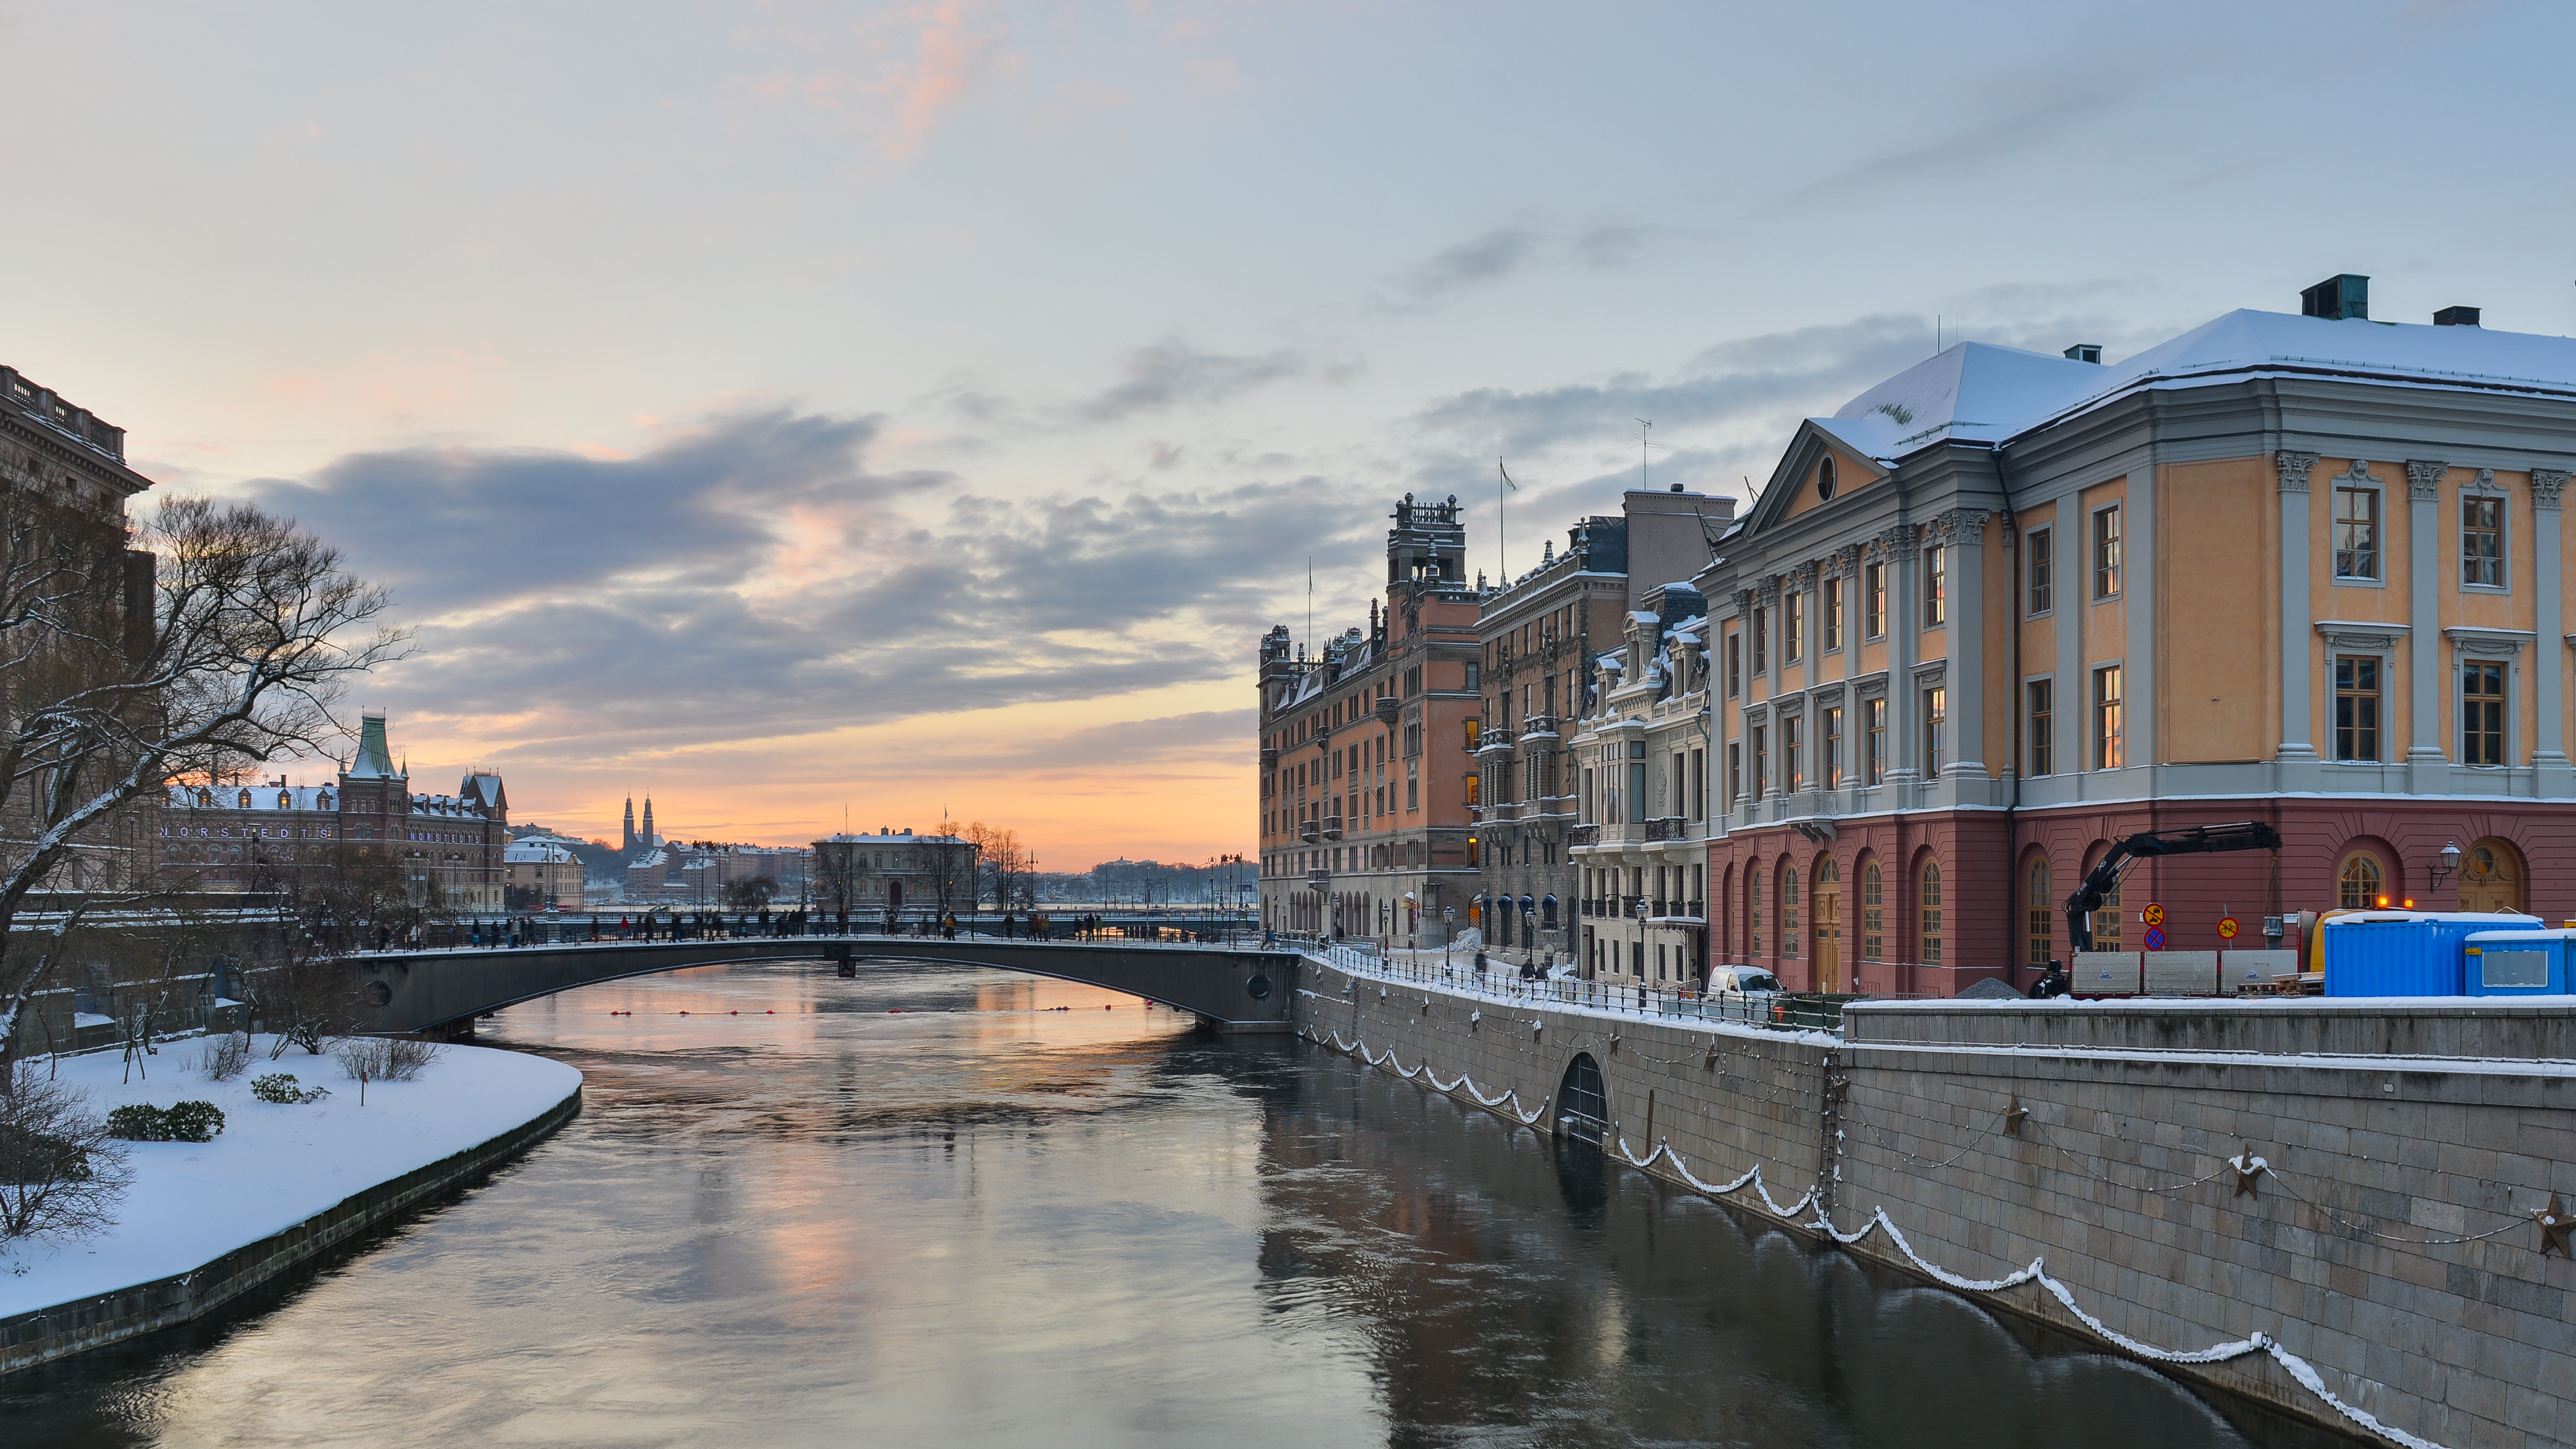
940	1205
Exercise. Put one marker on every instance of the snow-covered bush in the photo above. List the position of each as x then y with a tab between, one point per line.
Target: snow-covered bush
226	1056
179	1122
60	1173
385	1058
282	1089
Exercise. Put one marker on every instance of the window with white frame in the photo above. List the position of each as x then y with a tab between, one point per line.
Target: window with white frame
2481	541
2106	552
1936	586
2482	712
2356	532
2040	546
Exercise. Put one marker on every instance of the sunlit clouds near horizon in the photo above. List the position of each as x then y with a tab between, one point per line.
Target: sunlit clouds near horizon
921	410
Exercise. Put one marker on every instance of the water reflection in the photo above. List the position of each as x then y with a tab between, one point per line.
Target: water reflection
928	1206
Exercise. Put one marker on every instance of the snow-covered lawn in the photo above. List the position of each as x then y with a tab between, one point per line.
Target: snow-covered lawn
272	1166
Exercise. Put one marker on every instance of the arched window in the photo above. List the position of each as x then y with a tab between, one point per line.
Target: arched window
1789	912
1871	913
285	801
1753	911
245	799
2043	915
2357	884
1931	913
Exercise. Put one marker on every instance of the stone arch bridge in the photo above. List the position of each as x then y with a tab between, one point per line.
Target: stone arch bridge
1231	990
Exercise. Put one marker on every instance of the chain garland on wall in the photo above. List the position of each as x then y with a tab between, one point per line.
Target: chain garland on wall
1832	1088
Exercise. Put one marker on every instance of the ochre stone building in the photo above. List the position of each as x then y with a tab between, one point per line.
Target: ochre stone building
2005	608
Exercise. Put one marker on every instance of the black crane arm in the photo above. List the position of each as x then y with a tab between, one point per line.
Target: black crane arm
2197	840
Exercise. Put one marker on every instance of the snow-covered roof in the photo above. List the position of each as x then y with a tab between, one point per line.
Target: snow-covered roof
1978	392
536	852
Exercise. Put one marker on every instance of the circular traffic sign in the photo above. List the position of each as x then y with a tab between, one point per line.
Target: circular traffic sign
2155	938
2153	915
2227	928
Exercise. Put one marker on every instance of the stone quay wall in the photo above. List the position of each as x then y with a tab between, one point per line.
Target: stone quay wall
2324	1207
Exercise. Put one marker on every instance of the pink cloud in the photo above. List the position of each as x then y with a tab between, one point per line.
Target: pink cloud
951	54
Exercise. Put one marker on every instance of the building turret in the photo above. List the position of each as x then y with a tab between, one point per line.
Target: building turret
1428	543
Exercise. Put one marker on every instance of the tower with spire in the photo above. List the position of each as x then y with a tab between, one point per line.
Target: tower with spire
650	839
627	845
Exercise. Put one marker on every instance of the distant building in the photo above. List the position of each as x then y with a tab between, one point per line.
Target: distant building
1367	750
540	874
892	873
273	836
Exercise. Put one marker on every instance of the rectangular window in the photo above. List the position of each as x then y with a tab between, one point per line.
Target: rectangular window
1874	746
1761	761
1474	729
1475	794
2107	722
1936	587
1734	664
1761	642
1936	725
2356	707
2043	719
1793	735
2356	533
2482	542
2481	713
1833	614
2043	570
1793	628
1699	785
1734	772
1831	739
1472	685
2106	553
1873	601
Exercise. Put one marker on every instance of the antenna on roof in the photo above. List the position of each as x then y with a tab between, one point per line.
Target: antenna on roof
1644	428
1502	540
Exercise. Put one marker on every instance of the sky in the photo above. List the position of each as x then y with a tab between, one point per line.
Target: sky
814	413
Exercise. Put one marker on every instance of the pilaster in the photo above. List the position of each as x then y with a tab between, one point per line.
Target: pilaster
2297	754
2139	686
1904	607
1963	532
2556	779
2425	760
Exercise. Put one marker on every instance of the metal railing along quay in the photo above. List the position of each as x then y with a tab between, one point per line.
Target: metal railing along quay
1777	1011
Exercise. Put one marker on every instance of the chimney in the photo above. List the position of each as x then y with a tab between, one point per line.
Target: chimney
2337	299
2456	317
2085	352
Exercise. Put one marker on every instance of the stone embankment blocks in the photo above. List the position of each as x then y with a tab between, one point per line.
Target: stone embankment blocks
2385	1238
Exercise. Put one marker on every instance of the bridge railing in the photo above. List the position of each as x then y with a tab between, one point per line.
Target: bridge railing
1781	1011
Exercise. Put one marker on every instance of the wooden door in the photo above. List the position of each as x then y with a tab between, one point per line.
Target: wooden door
2491	877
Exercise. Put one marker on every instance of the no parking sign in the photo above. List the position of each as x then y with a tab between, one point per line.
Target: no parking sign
2155	938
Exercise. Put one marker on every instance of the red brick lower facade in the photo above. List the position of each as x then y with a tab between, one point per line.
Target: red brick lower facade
1930	902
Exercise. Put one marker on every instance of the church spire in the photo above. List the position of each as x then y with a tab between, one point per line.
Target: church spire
627	846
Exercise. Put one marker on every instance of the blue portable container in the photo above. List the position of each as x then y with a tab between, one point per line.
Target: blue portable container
2406	953
2518	963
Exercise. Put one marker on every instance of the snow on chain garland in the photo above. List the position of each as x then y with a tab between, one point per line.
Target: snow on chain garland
2297	1367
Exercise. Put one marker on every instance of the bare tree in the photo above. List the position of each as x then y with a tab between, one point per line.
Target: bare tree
951	867
1002	864
60	1173
237	653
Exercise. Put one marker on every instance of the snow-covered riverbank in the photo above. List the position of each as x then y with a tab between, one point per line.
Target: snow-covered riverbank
273	1166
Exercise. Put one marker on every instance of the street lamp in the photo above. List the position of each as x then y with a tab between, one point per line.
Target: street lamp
2450	866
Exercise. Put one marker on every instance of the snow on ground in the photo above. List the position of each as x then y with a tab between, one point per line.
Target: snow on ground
272	1166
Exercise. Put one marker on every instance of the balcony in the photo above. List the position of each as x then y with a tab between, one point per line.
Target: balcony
1319	879
1332	827
1494	742
1669	828
1269	756
1538	727
1309	831
1583	835
1388	708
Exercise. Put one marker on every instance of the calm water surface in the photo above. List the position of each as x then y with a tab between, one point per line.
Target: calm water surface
979	1219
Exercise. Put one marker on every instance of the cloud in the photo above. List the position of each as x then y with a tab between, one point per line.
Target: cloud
951	54
758	580
1175	374
1495	256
